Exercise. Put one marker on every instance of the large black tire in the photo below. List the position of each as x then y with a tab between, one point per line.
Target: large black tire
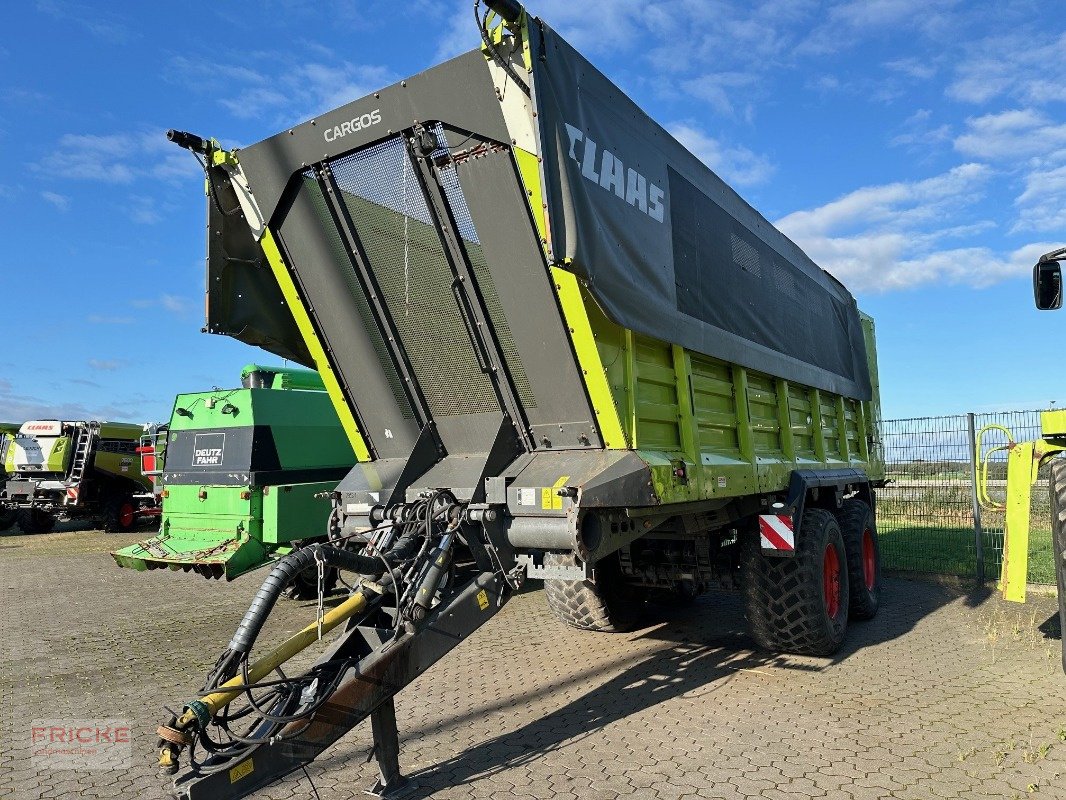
8	518
799	604
120	514
604	606
1057	485
304	584
859	529
33	520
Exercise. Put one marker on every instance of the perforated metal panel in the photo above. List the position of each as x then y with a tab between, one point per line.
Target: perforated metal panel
453	192
314	191
381	192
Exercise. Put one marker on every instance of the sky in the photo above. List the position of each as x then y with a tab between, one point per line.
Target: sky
916	149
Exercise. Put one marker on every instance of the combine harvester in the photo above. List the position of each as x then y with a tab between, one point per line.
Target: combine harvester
562	349
241	470
8	516
60	470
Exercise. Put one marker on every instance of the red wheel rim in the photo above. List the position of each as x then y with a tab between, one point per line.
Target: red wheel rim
125	515
831	581
869	559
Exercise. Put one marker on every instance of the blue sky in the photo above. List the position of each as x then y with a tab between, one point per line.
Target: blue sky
914	148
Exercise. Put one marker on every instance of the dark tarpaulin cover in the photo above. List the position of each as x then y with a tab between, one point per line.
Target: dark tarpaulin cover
243	298
669	250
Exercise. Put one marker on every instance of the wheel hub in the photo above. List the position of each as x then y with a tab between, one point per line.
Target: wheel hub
831	581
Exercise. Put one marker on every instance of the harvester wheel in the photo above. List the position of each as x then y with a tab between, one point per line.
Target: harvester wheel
799	604
601	606
120	514
33	520
1057	485
864	558
8	518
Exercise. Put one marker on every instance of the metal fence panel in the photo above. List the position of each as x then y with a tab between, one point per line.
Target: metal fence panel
926	515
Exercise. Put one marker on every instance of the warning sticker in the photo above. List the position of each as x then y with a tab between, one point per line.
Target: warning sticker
482	599
240	771
550	499
721	481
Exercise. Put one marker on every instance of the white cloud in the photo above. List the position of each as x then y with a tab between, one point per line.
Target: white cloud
1011	135
904	234
716	88
106	364
918	133
1042	205
117	158
289	91
1025	66
846	24
60	201
98	20
175	304
144	210
734	164
913	68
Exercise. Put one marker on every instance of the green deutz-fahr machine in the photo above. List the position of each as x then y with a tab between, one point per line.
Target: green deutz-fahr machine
242	471
561	349
61	470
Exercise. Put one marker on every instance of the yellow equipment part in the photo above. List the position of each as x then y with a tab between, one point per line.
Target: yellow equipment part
1024	459
262	667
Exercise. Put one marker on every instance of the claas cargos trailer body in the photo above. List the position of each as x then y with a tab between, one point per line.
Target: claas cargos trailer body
561	348
246	475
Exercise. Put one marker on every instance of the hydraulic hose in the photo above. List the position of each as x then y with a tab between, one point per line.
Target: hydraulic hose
283	574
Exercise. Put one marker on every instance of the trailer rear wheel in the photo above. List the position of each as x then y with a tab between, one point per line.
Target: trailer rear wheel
1057	485
864	558
601	606
120	514
799	604
33	520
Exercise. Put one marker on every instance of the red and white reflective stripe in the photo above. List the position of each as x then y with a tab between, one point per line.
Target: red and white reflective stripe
72	493
775	532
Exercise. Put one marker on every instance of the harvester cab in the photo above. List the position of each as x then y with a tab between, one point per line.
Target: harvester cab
244	475
1024	461
7	433
65	470
560	348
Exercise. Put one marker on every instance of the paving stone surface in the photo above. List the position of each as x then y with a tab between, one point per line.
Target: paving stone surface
945	695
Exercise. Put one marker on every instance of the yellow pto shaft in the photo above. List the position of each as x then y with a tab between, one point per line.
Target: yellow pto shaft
218	700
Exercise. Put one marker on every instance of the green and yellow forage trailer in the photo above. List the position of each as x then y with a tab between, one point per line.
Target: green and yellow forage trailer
246	475
61	470
561	348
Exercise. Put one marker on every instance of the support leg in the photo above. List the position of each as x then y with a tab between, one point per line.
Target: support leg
390	783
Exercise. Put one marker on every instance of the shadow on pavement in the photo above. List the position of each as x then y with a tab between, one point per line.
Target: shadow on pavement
706	647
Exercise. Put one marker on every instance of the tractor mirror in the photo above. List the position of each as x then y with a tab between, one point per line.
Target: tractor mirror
1047	285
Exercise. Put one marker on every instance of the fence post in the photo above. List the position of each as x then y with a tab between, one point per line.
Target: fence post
979	543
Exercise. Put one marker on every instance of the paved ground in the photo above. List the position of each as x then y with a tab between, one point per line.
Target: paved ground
944	695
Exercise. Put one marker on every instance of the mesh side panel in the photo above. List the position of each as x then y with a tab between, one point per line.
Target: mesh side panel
745	255
463	221
390	213
355	287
